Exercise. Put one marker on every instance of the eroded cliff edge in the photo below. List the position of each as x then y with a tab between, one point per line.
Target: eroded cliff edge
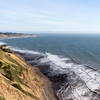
20	81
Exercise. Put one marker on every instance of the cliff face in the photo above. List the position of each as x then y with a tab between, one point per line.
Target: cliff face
20	81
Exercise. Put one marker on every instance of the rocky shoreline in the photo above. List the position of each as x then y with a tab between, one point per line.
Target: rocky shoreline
68	83
57	80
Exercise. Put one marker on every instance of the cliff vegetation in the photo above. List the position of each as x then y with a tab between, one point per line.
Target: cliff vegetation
21	81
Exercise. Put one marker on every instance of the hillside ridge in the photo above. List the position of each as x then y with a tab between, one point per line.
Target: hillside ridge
21	81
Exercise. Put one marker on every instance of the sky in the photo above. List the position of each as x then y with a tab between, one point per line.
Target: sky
52	16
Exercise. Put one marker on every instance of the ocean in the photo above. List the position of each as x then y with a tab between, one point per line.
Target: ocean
83	49
71	62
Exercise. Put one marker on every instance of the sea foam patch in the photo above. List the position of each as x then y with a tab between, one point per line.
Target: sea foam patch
2	43
25	51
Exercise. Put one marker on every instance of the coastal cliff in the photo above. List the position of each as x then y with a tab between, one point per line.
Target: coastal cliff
21	81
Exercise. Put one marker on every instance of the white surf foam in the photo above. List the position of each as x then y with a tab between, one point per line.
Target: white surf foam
2	43
24	51
90	77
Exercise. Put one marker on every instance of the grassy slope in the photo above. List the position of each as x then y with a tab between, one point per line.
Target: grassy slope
18	81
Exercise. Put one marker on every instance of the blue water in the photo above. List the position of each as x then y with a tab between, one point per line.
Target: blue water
84	49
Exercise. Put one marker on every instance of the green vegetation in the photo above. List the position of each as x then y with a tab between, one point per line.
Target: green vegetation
1	53
9	72
12	71
19	67
25	92
35	79
2	98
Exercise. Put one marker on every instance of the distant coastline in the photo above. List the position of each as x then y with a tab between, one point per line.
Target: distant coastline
15	35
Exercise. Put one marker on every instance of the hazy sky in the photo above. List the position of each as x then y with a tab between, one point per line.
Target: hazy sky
50	15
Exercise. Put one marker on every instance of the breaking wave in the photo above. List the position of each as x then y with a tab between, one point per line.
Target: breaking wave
2	43
82	82
24	50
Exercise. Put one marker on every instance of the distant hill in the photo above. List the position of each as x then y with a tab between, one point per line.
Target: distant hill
9	35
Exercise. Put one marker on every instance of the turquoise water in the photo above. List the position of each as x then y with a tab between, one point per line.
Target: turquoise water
84	49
